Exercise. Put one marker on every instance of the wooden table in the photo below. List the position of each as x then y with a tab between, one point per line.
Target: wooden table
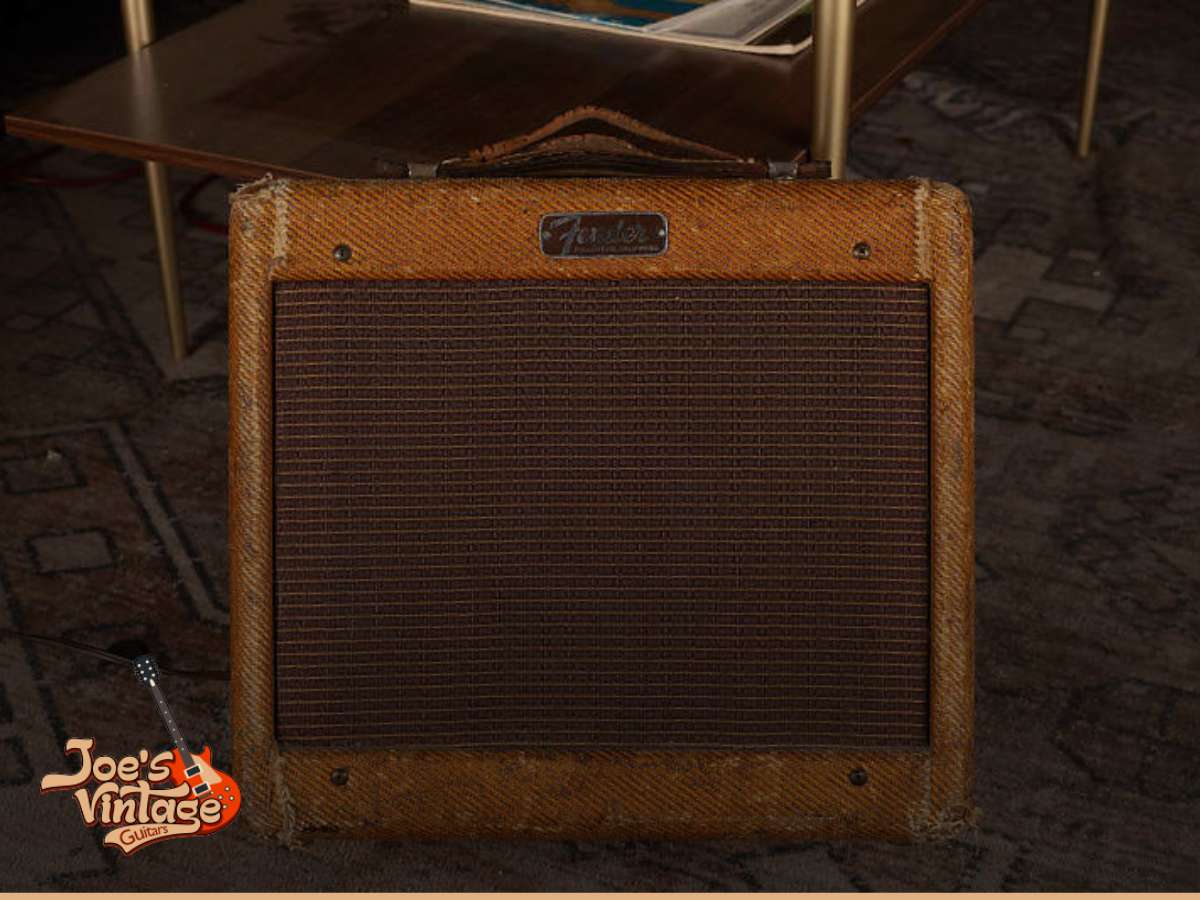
360	89
269	87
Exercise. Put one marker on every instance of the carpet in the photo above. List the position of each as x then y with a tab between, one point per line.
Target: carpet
112	497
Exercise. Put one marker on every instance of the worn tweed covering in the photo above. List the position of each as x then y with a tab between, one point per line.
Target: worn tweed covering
602	514
285	232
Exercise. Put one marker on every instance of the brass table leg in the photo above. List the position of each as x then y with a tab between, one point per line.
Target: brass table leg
833	57
1091	78
138	17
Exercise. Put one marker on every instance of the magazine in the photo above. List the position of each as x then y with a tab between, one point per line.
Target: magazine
774	27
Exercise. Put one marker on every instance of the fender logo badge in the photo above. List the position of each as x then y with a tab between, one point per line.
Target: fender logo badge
603	234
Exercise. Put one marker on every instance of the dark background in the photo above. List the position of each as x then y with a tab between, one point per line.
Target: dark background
112	483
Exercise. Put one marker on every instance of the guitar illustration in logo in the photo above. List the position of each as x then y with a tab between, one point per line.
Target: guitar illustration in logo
145	798
204	782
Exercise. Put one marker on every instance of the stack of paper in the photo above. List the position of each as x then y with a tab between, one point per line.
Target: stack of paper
742	25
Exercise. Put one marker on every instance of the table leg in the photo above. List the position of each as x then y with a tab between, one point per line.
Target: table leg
1091	78
138	18
833	57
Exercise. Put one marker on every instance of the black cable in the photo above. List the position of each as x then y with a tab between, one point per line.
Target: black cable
193	217
194	674
15	172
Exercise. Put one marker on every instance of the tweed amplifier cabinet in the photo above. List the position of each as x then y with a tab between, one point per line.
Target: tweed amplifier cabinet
602	508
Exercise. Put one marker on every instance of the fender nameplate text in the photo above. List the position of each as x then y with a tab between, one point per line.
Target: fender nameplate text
591	234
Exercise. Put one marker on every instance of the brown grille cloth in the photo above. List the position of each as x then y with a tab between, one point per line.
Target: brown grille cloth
602	514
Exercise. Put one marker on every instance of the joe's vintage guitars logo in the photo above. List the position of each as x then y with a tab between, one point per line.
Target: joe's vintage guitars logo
145	799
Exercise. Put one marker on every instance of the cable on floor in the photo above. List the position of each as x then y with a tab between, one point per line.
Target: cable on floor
107	656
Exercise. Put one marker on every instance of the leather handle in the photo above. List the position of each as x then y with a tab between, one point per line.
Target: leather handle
628	131
590	141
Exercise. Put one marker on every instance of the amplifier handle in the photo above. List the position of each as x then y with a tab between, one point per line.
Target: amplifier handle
590	141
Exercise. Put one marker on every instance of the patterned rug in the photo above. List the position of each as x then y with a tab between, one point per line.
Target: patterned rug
112	492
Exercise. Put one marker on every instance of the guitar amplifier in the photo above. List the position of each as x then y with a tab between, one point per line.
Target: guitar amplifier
602	507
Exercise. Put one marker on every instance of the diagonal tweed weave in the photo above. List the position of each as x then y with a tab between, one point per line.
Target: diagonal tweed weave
919	235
